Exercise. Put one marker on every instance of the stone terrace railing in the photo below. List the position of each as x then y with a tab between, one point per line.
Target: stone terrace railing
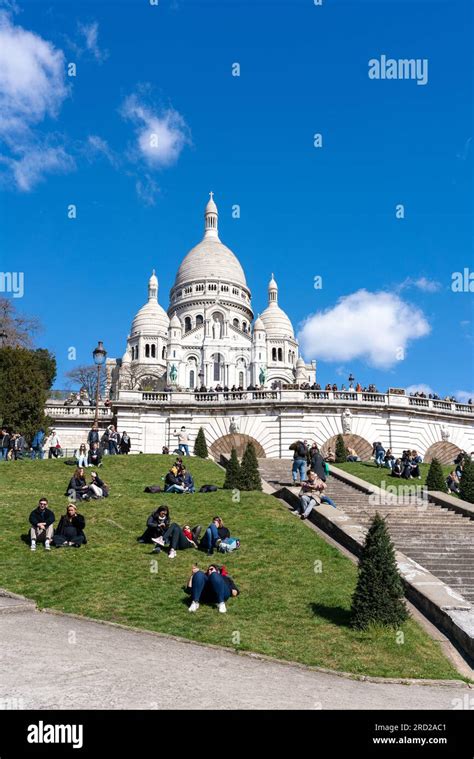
317	397
58	409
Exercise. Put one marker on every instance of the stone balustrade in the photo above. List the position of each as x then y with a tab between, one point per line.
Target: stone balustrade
59	410
310	397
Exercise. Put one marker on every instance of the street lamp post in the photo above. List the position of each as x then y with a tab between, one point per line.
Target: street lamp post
99	354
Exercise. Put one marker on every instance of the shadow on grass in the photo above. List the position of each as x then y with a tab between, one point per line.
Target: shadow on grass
334	614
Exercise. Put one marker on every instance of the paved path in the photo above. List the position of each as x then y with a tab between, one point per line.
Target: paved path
93	666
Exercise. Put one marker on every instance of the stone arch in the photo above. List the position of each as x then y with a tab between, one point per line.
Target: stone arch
361	446
443	451
237	440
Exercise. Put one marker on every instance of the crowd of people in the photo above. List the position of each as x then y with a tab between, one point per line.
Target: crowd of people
13	445
213	585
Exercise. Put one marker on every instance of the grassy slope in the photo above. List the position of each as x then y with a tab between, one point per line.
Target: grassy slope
367	470
286	609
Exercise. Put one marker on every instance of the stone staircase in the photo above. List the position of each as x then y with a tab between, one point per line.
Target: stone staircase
438	539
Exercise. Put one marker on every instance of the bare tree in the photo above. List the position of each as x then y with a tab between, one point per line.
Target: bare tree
130	377
86	376
16	329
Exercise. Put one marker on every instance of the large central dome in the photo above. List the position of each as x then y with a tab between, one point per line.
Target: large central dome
210	259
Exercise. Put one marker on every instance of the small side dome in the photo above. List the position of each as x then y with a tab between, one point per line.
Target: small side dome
259	325
175	322
300	362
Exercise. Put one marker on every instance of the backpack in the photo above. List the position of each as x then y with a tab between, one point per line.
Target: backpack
301	450
208	489
228	544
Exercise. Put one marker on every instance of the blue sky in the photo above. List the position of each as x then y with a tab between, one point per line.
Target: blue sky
305	211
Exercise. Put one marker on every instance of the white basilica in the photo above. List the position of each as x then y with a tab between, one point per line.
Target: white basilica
208	336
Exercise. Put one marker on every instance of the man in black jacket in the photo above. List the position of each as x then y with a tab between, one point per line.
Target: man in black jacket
93	436
70	530
41	520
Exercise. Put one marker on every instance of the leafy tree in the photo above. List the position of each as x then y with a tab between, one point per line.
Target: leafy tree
378	597
232	472
466	487
25	378
200	445
341	450
250	475
435	479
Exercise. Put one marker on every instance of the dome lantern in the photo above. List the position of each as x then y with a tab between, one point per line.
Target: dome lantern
272	291
153	287
210	218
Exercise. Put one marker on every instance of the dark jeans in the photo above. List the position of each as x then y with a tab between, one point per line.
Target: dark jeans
176	538
211	588
53	453
113	448
59	540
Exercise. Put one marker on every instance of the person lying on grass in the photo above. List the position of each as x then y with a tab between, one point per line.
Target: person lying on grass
70	530
309	495
156	524
214	586
177	538
215	533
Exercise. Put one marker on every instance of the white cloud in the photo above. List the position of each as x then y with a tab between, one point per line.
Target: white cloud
421	388
32	88
375	327
97	146
147	189
160	136
464	395
38	161
422	283
90	35
32	79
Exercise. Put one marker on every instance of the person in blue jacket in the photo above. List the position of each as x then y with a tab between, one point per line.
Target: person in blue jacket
37	451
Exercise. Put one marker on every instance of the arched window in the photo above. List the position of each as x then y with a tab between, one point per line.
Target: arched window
241	379
280	354
236	323
199	320
274	354
187	324
163	352
147	351
218	366
244	326
192	380
153	351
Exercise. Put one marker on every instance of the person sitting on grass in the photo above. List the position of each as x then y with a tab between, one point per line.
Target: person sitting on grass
70	530
188	481
97	488
77	487
156	524
214	587
397	468
173	481
415	461
81	456
309	495
41	521
177	538
94	457
452	482
215	533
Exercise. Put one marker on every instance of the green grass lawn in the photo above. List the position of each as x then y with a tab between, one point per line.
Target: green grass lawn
367	470
286	609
